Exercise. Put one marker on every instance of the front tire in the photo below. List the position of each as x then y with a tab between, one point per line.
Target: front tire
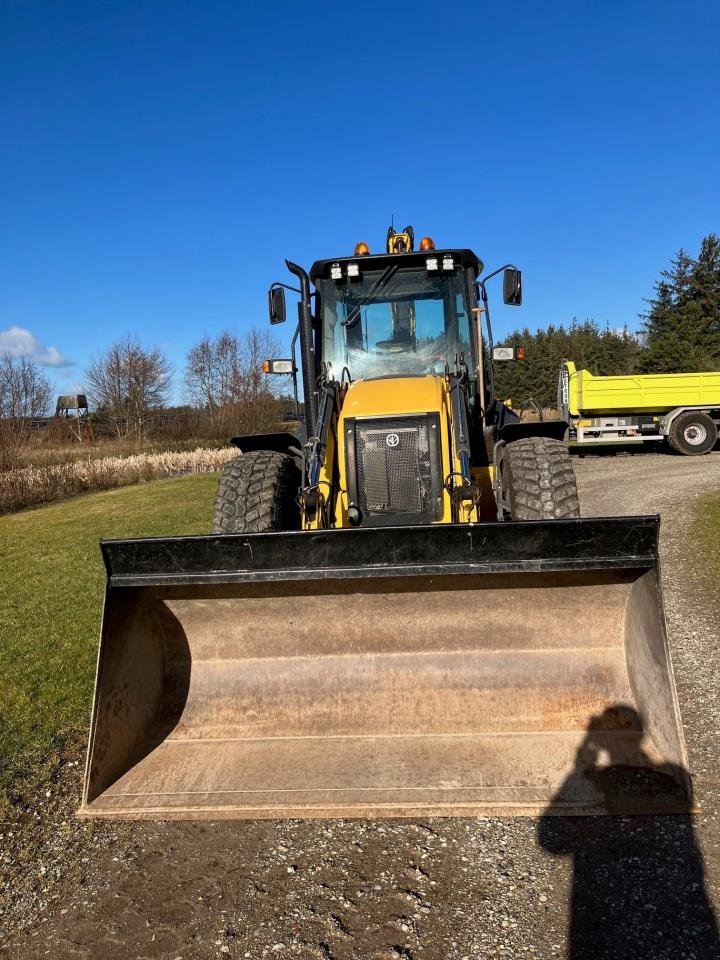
258	492
692	434
538	480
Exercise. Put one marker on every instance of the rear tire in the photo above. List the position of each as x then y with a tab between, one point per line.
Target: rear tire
257	492
538	480
692	434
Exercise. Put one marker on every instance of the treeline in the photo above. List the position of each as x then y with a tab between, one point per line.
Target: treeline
680	332
129	388
602	352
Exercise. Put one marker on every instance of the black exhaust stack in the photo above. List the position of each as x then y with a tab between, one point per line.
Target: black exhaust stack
307	348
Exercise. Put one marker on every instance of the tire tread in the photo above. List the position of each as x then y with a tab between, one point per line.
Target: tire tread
541	482
256	493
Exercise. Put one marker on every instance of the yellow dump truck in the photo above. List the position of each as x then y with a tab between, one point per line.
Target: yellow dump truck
683	409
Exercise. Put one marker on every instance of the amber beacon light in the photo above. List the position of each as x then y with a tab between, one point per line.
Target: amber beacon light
361	249
427	243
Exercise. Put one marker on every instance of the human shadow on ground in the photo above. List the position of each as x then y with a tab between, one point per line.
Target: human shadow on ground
638	885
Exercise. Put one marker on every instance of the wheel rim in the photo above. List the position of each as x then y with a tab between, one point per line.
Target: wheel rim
695	434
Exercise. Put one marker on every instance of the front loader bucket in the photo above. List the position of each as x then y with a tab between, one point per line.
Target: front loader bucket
496	669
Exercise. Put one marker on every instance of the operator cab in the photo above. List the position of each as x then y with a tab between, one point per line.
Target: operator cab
403	313
396	314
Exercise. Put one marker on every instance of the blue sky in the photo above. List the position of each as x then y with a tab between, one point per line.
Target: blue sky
160	159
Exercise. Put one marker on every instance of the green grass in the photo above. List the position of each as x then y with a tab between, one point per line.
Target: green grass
51	589
707	527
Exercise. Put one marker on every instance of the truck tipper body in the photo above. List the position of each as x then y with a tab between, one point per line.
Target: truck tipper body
680	408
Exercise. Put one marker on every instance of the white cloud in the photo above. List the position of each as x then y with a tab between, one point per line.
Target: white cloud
19	342
70	386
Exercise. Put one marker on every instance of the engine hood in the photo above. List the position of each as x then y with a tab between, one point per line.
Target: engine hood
388	396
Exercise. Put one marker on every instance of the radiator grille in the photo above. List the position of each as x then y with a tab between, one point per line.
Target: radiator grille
398	470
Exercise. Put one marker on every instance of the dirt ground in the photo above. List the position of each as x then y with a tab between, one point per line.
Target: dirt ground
444	888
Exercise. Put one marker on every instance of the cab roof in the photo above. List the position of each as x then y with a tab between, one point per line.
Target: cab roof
320	270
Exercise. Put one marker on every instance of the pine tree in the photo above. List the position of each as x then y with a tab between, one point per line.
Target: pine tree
705	292
681	328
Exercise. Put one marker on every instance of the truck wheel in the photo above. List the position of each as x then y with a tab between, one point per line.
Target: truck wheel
692	433
257	492
538	480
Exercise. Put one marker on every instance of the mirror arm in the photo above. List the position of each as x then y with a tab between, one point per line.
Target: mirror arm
510	266
483	294
285	286
491	345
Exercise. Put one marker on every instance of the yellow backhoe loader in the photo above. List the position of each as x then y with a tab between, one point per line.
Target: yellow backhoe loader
400	612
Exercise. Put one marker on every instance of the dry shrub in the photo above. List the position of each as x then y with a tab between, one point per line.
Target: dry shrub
528	415
51	454
29	486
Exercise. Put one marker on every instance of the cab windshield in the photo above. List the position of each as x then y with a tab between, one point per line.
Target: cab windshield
394	321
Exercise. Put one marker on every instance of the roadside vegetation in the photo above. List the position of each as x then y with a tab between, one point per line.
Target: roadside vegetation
125	432
30	486
56	446
50	454
52	587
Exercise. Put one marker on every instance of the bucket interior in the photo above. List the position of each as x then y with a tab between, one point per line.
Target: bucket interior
502	694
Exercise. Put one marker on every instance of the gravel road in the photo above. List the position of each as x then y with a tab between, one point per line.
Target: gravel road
443	888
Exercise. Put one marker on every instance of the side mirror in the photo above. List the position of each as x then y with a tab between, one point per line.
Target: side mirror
276	304
512	286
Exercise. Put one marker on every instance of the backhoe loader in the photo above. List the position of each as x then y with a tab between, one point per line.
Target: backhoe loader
400	611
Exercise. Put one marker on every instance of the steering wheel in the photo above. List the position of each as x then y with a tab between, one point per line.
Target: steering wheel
393	346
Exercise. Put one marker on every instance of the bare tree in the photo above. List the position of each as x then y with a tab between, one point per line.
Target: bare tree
24	394
250	383
208	371
225	376
126	382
